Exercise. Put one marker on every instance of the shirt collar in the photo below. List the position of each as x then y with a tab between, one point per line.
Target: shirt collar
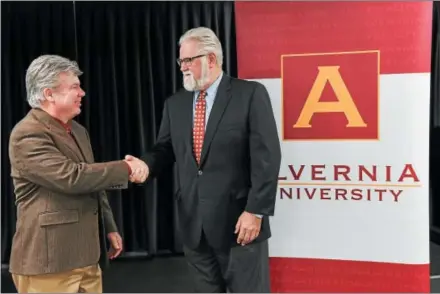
66	126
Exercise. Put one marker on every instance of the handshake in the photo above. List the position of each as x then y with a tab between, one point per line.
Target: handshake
139	169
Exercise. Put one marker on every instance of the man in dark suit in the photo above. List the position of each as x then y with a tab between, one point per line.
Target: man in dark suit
222	135
63	215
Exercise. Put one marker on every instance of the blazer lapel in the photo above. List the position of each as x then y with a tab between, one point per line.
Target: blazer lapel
54	126
83	144
221	102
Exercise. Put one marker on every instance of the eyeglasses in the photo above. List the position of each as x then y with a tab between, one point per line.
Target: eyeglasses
188	61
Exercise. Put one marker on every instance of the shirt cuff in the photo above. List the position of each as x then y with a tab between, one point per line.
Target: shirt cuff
258	215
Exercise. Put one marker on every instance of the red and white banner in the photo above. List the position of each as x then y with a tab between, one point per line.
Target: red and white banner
350	89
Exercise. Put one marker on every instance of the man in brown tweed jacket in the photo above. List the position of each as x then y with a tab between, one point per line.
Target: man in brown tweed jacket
62	208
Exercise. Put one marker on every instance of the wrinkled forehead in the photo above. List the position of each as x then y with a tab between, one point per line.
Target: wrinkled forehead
189	48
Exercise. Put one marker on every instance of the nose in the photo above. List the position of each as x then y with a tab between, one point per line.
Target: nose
82	93
183	66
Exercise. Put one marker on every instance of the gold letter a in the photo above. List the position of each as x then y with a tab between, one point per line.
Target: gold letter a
344	104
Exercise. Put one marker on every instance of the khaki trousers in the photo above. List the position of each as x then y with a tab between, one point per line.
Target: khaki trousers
81	280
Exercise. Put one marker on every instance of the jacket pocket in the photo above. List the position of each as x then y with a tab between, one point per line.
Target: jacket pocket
58	217
231	126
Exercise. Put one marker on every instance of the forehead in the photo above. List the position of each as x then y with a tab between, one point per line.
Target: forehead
188	48
68	78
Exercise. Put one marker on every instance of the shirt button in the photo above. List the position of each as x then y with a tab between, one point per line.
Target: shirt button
200	172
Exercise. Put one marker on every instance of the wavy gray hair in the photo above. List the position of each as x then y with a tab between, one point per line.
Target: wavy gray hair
43	72
209	43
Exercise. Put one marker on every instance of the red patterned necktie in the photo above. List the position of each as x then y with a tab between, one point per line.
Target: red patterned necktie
199	125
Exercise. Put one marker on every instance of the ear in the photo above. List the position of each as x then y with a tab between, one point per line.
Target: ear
47	93
212	60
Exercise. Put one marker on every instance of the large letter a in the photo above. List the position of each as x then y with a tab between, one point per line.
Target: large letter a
344	104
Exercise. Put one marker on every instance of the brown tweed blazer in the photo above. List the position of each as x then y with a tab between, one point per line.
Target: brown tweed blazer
60	196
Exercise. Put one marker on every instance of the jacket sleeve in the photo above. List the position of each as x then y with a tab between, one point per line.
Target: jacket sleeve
37	159
162	155
265	154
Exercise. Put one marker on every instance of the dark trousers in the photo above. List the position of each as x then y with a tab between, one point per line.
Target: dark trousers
243	269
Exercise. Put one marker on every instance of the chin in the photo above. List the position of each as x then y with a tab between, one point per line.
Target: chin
189	86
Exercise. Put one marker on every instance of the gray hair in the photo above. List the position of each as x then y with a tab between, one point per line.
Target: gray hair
208	42
43	73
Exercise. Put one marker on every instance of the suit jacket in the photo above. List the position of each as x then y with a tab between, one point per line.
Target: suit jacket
60	196
239	167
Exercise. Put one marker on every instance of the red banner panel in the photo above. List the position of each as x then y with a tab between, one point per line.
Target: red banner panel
345	276
267	30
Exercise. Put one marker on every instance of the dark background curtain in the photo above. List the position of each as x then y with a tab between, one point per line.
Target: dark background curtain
128	53
435	127
435	68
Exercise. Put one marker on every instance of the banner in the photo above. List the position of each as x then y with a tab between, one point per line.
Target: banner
350	90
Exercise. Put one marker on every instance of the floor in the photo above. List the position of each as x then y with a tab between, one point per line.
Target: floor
435	268
169	275
159	275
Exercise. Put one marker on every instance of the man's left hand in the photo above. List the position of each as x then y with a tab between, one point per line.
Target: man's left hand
116	245
248	228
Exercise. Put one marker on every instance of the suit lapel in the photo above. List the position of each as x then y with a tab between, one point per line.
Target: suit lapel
83	144
221	102
187	121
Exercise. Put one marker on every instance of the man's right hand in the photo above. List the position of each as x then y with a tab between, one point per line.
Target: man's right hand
140	170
